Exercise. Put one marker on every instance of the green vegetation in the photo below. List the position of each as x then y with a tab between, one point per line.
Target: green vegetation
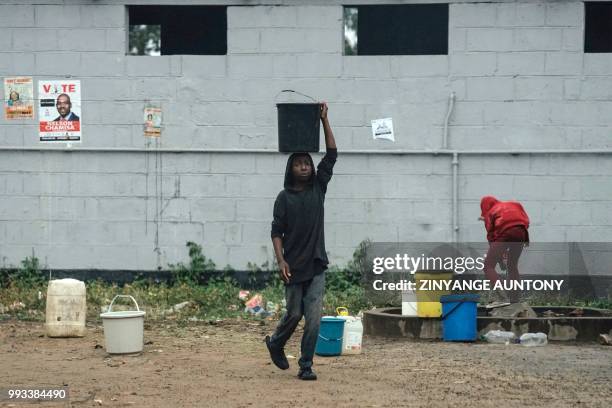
209	294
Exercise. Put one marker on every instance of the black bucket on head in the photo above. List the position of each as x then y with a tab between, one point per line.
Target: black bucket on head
298	127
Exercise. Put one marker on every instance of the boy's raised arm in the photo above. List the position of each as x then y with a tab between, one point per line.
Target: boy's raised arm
330	142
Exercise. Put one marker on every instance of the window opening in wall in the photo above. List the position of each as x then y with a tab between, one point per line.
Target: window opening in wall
401	29
350	31
598	26
171	30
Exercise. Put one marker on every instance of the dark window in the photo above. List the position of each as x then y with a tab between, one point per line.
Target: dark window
404	29
598	26
169	30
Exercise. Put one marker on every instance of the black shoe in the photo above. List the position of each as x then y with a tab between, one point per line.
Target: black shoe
307	374
277	355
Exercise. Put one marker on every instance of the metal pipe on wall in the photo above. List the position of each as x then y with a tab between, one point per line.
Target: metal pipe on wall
455	204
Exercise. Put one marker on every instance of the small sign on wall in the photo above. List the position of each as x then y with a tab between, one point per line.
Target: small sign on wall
152	122
383	129
18	98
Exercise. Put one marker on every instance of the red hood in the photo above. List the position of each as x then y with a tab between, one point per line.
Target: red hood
486	203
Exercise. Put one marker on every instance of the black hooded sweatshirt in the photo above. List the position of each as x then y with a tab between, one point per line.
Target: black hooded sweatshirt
299	218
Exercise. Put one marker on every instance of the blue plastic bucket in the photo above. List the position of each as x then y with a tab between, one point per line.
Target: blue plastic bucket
329	342
459	317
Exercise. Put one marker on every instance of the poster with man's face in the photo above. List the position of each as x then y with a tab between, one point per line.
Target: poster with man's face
60	111
18	98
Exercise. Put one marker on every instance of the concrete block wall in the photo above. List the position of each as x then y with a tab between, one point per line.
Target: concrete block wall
518	70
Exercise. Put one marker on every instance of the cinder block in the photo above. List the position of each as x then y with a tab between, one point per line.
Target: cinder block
233	234
122	209
36	184
539	88
13	183
598	64
204	66
366	66
19	208
143	66
490	88
16	16
249	66
521	63
319	16
213	209
58	63
595	88
348	114
232	163
28	39
240	256
538	39
489	39
82	39
243	41
564	63
153	88
601	213
103	64
61	16
284	66
572	188
261	16
223	113
419	89
256	232
596	137
344	210
473	64
253	209
319	65
513	113
418	65
530	14
261	186
457	40
573	39
472	15
596	188
537	188
475	187
103	16
565	14
204	185
564	213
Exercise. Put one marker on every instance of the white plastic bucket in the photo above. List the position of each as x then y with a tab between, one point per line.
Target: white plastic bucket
124	330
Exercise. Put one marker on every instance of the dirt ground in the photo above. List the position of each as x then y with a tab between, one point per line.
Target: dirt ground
226	365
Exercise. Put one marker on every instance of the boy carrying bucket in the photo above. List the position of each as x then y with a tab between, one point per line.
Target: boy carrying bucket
506	223
299	245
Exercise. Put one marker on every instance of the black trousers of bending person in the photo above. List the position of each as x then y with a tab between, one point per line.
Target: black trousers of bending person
303	299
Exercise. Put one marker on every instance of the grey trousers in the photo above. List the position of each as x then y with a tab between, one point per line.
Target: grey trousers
303	299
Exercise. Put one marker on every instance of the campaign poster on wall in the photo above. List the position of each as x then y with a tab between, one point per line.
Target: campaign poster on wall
18	98
60	111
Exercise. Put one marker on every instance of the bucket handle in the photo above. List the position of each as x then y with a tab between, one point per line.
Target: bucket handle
451	311
299	93
326	339
110	308
342	309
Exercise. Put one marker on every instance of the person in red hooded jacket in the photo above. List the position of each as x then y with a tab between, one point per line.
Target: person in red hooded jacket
506	223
